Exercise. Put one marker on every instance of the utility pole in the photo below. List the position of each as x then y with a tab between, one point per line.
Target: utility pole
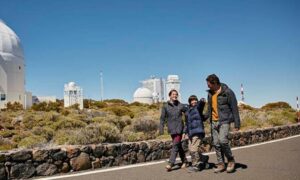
298	115
242	93
101	85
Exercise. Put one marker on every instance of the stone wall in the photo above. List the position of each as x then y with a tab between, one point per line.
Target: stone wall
45	162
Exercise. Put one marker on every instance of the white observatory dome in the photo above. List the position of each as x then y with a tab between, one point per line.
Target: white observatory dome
72	84
143	95
12	68
9	42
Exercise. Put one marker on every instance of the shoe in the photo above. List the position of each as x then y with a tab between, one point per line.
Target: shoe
205	160
184	165
230	166
193	169
169	167
220	168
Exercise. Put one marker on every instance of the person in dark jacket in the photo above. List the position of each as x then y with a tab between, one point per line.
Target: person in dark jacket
172	113
222	111
194	129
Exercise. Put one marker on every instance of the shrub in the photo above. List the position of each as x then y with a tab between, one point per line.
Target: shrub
16	106
50	106
74	106
133	136
121	111
275	121
276	105
116	101
145	125
99	104
7	133
89	135
32	141
6	144
136	104
110	132
45	132
93	133
246	107
67	123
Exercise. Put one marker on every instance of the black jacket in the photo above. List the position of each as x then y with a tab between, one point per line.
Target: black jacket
227	106
194	120
172	114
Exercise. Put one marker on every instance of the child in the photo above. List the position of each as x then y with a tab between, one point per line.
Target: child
194	129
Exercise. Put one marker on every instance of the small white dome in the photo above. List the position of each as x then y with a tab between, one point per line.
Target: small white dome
142	93
173	77
72	84
9	42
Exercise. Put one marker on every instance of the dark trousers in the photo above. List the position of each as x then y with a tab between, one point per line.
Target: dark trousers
177	148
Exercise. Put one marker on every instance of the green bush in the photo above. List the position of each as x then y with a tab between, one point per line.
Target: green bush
15	106
246	107
120	111
45	132
145	125
119	102
133	136
7	133
50	106
6	144
110	132
67	123
32	141
276	105
99	104
275	121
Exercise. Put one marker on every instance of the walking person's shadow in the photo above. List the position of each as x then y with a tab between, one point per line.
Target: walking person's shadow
213	165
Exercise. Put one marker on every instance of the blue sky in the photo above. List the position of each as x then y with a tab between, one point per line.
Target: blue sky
254	42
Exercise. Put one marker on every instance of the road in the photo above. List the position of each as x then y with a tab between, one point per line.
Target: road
273	160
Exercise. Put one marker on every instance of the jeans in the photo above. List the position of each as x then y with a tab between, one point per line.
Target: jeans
220	134
177	148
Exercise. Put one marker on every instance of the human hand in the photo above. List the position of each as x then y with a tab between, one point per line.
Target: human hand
236	129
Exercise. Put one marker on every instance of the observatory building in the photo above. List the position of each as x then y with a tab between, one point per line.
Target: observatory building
12	69
73	94
155	90
173	82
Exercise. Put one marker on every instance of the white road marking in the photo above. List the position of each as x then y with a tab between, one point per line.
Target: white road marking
156	162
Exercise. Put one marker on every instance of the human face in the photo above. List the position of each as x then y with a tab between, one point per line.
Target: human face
174	96
194	103
213	87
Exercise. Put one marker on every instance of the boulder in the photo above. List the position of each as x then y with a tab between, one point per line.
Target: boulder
82	162
46	169
22	171
21	156
40	155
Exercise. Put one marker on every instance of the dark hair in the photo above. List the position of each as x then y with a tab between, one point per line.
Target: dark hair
192	98
173	90
213	79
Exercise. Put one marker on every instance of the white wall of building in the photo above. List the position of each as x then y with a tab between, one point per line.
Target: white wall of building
73	94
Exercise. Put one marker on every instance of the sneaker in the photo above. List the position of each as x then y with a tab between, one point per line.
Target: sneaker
205	160
184	165
220	168
230	166
193	169
169	166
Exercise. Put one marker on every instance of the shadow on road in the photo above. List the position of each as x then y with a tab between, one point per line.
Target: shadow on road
213	165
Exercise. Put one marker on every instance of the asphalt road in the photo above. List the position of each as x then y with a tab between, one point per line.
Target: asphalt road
277	160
